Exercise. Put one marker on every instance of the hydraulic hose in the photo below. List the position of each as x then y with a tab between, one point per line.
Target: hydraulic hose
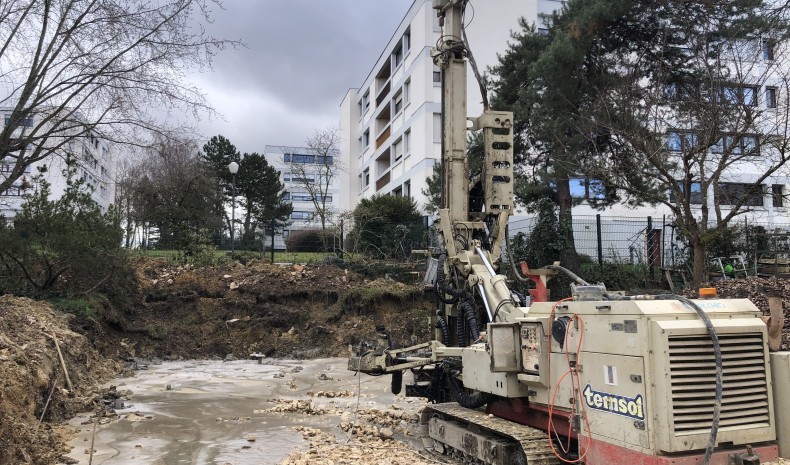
472	400
441	287
570	273
511	259
441	324
460	331
467	310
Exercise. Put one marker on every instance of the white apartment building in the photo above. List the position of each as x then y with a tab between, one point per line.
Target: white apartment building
94	164
391	131
298	165
390	127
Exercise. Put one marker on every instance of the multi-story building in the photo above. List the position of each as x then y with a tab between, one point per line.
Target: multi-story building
391	131
390	127
93	162
308	176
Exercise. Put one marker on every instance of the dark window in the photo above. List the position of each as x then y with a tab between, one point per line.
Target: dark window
297	158
736	94
695	197
20	122
437	76
680	92
681	141
767	49
777	194
302	215
397	56
770	97
732	193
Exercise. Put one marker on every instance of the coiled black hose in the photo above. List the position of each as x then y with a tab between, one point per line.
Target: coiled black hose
460	331
467	310
442	288
472	400
444	329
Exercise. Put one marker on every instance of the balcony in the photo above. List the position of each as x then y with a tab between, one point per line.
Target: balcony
382	138
382	181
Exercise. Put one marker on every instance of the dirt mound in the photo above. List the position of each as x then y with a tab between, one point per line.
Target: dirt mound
279	311
755	289
30	369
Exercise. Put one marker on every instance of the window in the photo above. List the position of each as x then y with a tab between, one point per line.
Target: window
437	128
587	189
732	193
20	122
407	142
407	189
437	75
681	141
770	97
407	91
297	215
777	194
695	197
298	178
397	103
297	158
736	94
365	102
738	145
767	49
397	149
397	56
406	42
366	178
365	139
680	92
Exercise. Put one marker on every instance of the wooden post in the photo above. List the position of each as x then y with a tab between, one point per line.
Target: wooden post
63	364
775	323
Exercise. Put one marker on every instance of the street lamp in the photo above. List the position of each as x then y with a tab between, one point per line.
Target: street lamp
234	168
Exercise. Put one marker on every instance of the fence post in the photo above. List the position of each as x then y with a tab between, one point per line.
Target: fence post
650	246
342	240
600	239
272	252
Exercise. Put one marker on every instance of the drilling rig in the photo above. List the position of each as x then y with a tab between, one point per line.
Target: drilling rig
599	378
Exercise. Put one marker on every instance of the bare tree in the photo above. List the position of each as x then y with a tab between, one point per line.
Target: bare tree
71	70
710	129
316	171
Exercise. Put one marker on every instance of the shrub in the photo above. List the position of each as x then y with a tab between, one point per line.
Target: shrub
387	226
310	240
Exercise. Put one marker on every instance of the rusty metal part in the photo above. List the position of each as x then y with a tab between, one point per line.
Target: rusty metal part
484	439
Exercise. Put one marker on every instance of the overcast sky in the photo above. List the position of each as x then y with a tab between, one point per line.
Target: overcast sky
301	58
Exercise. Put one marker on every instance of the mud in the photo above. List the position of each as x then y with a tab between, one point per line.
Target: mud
241	412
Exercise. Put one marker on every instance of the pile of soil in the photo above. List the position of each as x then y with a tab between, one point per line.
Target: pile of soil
30	369
756	290
290	311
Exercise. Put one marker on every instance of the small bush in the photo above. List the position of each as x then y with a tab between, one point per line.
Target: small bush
310	240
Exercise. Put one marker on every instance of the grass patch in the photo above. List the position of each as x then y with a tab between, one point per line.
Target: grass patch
243	256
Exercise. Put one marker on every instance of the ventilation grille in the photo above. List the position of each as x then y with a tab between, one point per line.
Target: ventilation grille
693	379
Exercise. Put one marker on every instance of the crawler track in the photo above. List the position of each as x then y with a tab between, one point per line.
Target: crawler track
479	438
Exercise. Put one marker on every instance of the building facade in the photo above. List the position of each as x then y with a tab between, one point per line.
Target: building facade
309	177
390	126
93	160
391	131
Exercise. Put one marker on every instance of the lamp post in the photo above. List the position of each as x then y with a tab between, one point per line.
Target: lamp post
233	167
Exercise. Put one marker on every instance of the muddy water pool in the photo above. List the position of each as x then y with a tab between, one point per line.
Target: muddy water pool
213	412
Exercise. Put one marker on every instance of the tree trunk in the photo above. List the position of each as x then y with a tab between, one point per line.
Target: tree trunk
565	203
699	270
